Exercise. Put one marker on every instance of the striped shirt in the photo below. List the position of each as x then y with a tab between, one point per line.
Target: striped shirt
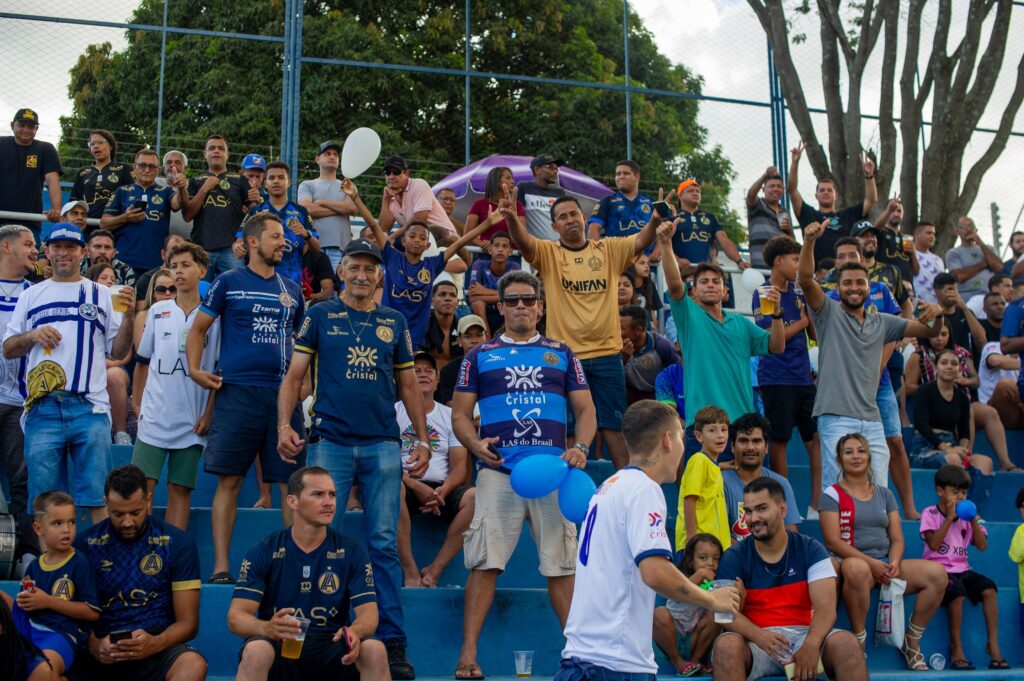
12	371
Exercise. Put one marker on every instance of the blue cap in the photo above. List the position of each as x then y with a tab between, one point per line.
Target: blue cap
254	162
65	231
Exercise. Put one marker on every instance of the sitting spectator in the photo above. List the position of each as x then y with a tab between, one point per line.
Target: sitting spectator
442	332
446	197
273	591
823	269
1017	551
998	374
539	195
942	419
441	491
142	282
647	295
20	658
472	332
701	490
157	566
861	527
788	614
317	276
485	209
669	388
484	276
991	320
964	327
407	199
946	539
626	292
973	262
97	182
644	354
100	249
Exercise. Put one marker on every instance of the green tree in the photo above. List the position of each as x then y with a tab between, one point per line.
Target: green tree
233	87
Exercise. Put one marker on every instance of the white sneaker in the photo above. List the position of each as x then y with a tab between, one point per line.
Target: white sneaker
812	514
122	438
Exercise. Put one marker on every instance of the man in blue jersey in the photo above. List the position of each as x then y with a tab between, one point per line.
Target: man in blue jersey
260	310
361	356
625	212
696	230
524	385
147	575
314	572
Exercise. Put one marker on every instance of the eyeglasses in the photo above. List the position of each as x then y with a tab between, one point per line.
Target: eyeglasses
513	301
392	171
146	166
162	290
94	143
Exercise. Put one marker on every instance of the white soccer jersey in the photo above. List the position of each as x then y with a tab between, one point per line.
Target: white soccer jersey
81	312
612	614
173	402
442	439
12	371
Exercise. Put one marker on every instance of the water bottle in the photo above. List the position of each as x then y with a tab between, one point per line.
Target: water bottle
937	661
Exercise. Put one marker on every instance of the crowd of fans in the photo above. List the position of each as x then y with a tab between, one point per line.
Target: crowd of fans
395	372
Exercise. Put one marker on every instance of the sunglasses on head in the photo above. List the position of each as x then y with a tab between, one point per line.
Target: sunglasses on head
165	289
513	301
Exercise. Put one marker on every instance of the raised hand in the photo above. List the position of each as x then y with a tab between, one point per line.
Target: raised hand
813	231
796	152
869	165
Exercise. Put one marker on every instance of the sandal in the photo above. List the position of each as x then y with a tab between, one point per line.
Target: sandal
914	658
999	664
689	669
1012	469
471	672
961	665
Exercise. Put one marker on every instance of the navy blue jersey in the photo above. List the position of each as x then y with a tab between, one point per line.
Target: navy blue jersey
292	216
793	366
136	579
139	243
694	234
619	216
258	318
95	186
320	585
407	288
70	580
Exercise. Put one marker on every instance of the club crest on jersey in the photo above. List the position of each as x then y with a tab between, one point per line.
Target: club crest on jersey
151	564
225	185
63	588
31	161
595	263
550	358
88	311
655	519
113	179
385	334
286	299
328	583
156	199
424	276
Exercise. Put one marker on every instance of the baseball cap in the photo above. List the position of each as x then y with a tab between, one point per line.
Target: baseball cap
426	356
329	144
545	159
363	247
65	231
396	162
71	204
863	227
469	321
254	162
686	184
26	116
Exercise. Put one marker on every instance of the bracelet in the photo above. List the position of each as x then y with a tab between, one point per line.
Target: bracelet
280	428
869	177
777	316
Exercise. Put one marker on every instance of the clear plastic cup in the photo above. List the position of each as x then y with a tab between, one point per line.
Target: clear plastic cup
291	648
723	617
524	663
116	299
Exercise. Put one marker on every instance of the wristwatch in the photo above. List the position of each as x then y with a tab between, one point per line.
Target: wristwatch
583	448
777	316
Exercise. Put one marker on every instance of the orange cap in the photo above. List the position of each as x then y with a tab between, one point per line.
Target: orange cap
684	184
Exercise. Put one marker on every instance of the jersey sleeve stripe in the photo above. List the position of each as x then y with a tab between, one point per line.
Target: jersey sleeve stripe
305	349
365	593
652	552
187	585
406	365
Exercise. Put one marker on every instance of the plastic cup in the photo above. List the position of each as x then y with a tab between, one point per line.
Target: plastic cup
291	648
116	300
524	663
908	242
723	617
767	305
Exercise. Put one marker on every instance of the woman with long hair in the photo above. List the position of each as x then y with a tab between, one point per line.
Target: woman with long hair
499	181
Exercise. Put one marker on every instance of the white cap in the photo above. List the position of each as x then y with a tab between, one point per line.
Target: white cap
71	204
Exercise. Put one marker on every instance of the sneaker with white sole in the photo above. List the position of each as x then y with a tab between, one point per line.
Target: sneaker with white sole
122	438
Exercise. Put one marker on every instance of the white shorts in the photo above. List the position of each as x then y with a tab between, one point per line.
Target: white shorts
762	664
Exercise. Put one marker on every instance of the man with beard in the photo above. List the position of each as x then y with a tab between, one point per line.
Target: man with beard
789	607
147	575
931	264
328	205
767	218
893	248
539	196
101	248
1015	263
850	348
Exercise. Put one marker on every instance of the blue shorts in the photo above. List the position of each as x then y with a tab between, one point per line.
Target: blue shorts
889	408
244	426
43	639
607	381
575	669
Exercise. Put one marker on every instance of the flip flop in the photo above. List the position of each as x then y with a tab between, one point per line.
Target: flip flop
470	672
961	665
689	669
221	578
999	664
1012	469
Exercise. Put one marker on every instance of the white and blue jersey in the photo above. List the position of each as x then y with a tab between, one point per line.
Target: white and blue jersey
12	371
258	318
522	390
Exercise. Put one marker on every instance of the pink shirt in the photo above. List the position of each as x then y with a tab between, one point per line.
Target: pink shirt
952	554
418	197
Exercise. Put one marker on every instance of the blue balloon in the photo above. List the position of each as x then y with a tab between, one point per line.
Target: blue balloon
538	475
204	288
574	495
966	510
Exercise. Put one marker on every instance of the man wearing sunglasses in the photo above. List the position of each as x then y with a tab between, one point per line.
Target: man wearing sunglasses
139	215
408	199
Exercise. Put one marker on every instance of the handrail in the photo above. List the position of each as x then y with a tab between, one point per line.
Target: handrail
37	217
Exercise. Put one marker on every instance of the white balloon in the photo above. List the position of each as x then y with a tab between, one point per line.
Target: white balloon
362	147
812	354
752	279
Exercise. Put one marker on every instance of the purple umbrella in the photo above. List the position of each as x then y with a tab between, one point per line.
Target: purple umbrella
468	183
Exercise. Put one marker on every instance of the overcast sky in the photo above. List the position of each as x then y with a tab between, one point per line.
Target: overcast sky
719	39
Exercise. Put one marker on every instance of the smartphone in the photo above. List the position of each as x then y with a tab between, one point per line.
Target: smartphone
141	204
494	450
118	636
664	210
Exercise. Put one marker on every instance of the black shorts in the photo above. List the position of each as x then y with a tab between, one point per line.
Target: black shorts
968	584
244	426
451	502
786	406
153	668
320	658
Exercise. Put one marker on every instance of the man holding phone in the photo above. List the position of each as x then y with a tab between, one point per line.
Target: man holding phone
625	212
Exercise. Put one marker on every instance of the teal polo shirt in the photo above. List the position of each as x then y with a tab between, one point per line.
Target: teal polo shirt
717	358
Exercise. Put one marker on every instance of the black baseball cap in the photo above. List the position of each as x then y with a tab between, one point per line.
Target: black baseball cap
862	227
545	159
26	116
329	144
396	162
364	247
426	357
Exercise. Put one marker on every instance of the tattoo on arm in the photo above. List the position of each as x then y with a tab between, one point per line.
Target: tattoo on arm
683	590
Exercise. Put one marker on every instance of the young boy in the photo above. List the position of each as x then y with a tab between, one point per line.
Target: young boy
1017	553
483	281
701	490
54	611
946	539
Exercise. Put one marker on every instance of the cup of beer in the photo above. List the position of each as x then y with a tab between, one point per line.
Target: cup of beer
723	617
767	305
119	305
908	242
524	663
291	648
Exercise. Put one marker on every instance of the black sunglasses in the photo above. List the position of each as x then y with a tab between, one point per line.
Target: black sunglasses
165	289
392	171
513	301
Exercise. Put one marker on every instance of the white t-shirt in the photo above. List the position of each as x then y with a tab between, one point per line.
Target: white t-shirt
12	375
989	377
81	312
173	402
611	618
442	439
931	266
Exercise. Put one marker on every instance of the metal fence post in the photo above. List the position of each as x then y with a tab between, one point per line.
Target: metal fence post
160	91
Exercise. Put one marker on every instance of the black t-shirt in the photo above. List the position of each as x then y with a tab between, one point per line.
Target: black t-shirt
95	186
932	412
217	222
837	225
316	267
890	251
959	332
22	173
446	382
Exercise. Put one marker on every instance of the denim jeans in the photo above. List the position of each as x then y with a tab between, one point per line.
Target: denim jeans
222	260
832	427
333	254
575	669
67	423
377	469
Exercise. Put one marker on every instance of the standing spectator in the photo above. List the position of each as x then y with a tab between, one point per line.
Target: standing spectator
972	263
485	209
767	218
139	214
254	169
1017	248
66	328
994	310
175	163
408	199
716	344
142	282
299	233
894	248
697	231
472	332
174	412
484	276
838	222
273	591
930	264
446	197
504	376
442	490
97	182
218	202
25	165
360	446
644	354
868	237
157	566
99	249
624	212
964	328
539	195
259	310
442	334
327	204
580	278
